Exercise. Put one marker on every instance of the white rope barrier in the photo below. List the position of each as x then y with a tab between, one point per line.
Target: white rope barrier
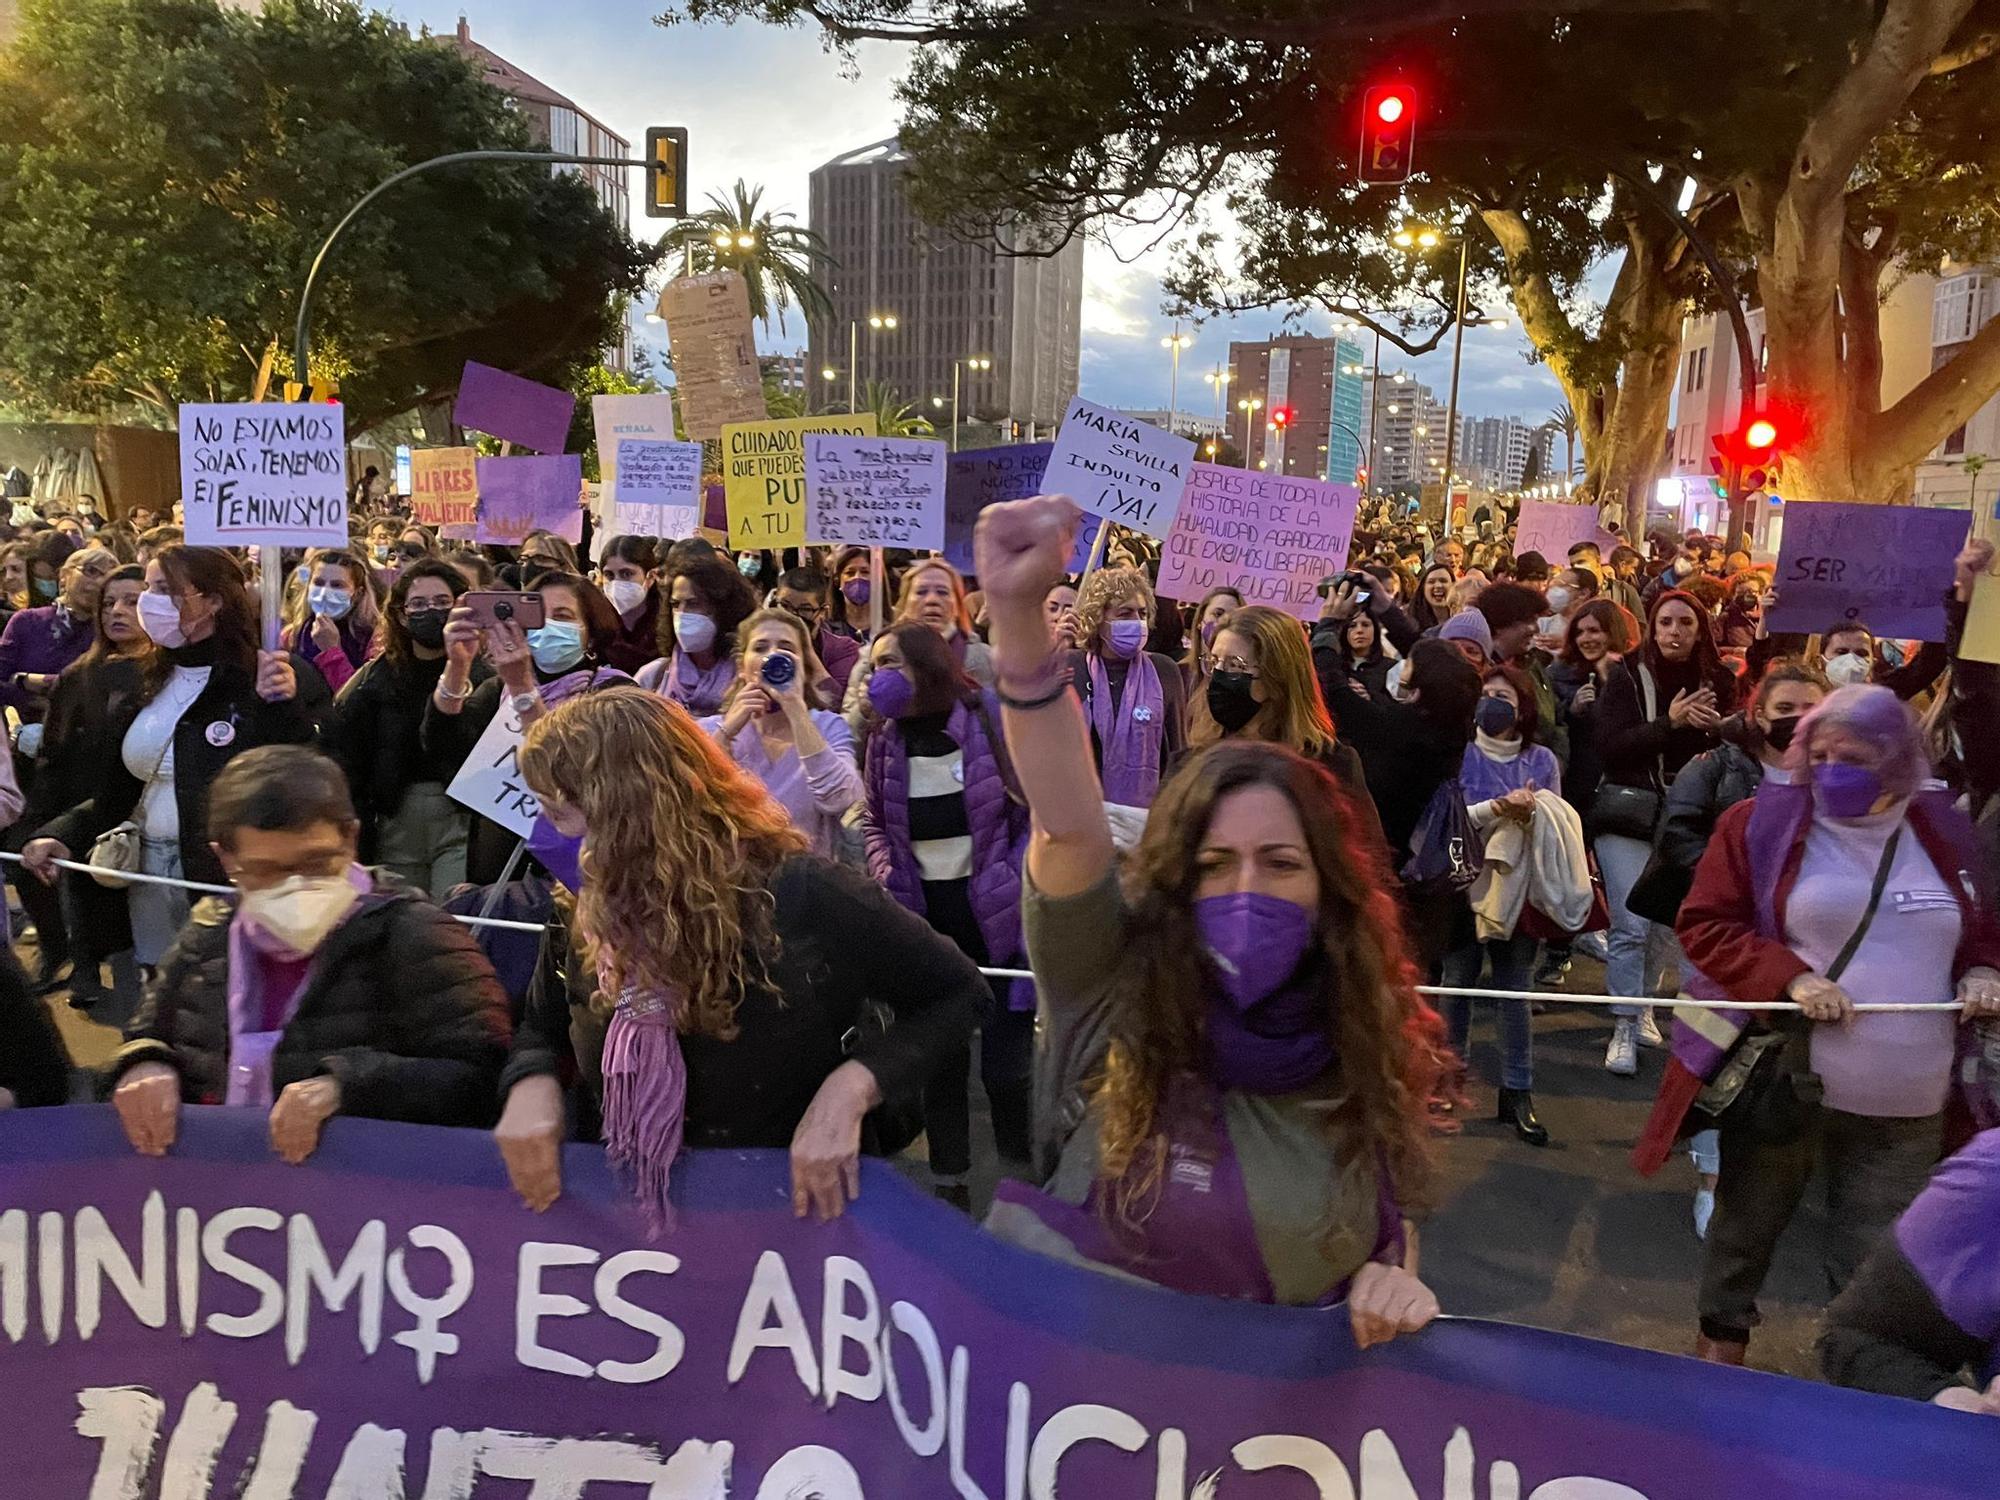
230	890
1557	997
1542	997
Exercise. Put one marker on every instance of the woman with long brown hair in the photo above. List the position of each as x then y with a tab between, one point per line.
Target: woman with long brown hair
1238	1004
331	620
735	967
174	718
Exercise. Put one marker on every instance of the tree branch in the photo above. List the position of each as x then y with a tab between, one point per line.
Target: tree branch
1939	405
1978	49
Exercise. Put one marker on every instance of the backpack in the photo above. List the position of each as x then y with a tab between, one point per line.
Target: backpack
1445	849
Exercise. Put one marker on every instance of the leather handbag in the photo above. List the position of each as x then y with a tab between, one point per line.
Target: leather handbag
118	851
1633	812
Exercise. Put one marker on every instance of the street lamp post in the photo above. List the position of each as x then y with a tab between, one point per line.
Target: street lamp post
1219	378
1457	353
1249	406
876	321
977	362
1175	342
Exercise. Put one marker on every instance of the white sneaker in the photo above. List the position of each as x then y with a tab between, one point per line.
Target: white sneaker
1649	1029
1592	945
1704	1210
1622	1056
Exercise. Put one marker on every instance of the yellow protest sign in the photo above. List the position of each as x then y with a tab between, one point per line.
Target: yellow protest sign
444	490
1981	641
764	476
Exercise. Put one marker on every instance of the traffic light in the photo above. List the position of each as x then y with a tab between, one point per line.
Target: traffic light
1388	132
1281	417
1361	480
1745	458
666	182
324	388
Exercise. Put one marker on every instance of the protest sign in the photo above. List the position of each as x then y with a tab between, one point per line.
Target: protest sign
1883	566
615	418
981	477
1270	537
1120	468
518	411
490	781
659	489
1551	528
264	474
714	350
1981	640
764	476
388	1321
444	490
874	491
520	495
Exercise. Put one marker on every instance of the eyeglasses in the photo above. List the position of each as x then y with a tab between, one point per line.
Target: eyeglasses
1232	664
809	613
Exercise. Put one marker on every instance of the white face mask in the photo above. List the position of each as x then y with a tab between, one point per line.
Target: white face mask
160	618
1559	598
625	594
1847	669
330	600
300	910
694	632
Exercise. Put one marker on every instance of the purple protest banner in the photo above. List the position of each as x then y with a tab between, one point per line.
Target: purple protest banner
513	409
388	1322
1883	566
520	495
980	477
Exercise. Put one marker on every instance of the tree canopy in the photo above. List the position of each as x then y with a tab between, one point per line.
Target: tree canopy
1546	131
168	169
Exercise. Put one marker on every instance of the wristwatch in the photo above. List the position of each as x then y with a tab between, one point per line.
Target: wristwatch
521	703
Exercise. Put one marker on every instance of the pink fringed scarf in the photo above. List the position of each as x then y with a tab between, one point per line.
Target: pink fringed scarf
645	1096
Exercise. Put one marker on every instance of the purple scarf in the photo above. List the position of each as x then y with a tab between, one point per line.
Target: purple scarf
251	1043
1277	1046
699	692
1128	731
561	855
645	1096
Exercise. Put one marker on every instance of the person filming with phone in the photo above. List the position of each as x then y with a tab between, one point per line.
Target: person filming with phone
803	755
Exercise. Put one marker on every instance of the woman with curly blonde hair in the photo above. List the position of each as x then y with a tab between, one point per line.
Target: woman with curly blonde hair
1234	1061
1134	699
737	968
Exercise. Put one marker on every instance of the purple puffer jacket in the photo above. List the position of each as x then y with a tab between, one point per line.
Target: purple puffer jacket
999	835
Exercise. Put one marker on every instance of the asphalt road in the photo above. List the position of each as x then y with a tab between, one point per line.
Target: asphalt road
1567	1237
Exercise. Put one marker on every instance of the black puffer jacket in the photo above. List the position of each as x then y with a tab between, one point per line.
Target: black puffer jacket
225	720
377	735
400	1006
1708	786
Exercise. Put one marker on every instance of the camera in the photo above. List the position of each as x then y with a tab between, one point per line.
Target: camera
503	611
1363	585
778	670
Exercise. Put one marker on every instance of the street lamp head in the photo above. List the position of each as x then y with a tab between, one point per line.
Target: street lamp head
724	239
829	373
746	242
1404	238
937	401
1427	239
888	320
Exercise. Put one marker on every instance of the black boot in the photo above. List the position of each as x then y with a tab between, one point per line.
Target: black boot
1517	1108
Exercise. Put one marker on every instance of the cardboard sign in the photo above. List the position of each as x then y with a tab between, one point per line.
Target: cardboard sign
490	781
522	412
875	492
1981	641
658	491
1270	537
1551	528
616	418
764	476
520	495
715	352
264	474
1120	468
986	476
444	490
1883	566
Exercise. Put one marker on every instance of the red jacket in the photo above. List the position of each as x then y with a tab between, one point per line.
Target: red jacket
1718	921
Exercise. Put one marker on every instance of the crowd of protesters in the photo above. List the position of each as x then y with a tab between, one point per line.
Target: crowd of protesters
792	806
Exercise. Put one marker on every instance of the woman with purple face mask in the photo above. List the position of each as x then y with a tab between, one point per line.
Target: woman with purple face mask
1857	882
1233	1061
945	830
1133	698
848	594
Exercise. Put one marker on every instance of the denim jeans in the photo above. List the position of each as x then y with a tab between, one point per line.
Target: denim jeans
1641	952
1513	969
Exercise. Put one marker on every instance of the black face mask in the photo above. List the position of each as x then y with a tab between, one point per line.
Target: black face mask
1230	701
1779	735
426	627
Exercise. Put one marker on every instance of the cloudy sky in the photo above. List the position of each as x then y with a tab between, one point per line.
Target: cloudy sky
768	105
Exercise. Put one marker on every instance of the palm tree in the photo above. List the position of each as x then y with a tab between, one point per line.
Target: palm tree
1564	421
894	417
780	260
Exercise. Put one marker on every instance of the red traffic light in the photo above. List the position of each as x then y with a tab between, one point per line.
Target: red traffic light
1388	132
1761	435
1281	417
